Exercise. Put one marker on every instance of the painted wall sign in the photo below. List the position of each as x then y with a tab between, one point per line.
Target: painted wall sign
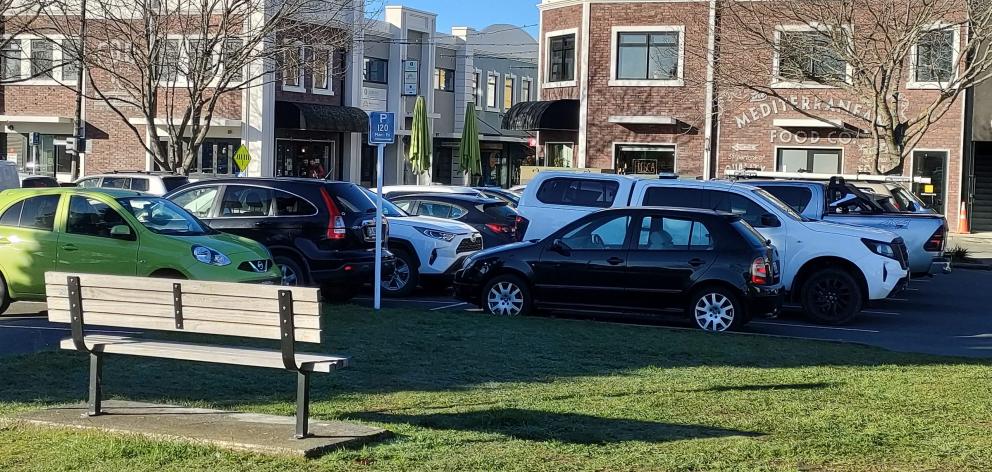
767	106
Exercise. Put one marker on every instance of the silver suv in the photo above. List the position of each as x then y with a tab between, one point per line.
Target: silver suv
152	183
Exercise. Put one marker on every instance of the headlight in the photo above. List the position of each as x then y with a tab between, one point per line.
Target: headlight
880	248
209	256
436	234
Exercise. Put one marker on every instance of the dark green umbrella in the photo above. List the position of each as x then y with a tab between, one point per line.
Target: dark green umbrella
420	139
469	156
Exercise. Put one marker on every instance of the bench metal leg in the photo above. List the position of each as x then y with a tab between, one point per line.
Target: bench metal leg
96	384
302	405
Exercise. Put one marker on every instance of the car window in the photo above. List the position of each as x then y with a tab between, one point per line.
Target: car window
246	201
435	209
39	212
499	210
600	233
288	204
457	212
197	201
405	205
172	183
578	192
738	205
163	216
798	198
89	183
116	182
678	197
658	233
139	185
751	235
12	216
90	217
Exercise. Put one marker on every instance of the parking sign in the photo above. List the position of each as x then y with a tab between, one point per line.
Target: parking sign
382	129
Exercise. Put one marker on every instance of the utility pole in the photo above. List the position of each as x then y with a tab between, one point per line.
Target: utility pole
79	124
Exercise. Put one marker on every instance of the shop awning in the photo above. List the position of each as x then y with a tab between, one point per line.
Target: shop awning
313	116
547	115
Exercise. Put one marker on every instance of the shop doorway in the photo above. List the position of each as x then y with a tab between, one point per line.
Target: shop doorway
932	164
981	209
309	159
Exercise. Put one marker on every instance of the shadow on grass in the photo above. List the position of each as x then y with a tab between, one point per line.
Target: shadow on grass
759	388
546	426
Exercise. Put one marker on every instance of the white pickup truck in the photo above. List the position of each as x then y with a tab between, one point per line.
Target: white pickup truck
831	269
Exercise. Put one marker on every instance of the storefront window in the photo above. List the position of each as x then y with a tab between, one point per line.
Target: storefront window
559	154
818	161
217	157
645	159
46	158
310	159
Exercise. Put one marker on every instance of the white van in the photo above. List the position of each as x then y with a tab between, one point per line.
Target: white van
8	175
830	269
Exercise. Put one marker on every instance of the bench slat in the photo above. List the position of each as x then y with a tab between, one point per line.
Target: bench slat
246	303
232	316
204	353
189	286
189	325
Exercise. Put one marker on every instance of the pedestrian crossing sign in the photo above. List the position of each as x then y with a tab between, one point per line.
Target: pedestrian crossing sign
242	158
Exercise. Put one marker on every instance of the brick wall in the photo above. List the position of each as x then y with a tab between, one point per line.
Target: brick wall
555	20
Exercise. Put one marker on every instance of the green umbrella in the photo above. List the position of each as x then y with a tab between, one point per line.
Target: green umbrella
470	158
420	139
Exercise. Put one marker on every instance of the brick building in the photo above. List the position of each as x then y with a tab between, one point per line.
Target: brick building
634	86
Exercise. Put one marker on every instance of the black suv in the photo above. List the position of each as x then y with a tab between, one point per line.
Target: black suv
320	233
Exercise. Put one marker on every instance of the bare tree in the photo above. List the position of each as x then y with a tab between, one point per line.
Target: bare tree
170	68
857	58
18	19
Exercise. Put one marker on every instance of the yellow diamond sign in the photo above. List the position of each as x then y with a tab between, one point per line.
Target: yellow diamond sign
242	158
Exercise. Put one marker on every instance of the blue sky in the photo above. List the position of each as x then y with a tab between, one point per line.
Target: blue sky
477	13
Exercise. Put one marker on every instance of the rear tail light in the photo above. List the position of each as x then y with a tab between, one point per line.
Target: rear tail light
335	225
520	227
936	242
498	228
761	272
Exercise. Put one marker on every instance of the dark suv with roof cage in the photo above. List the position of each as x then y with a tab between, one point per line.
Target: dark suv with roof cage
321	233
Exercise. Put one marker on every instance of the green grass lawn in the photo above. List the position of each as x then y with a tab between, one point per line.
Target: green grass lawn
471	392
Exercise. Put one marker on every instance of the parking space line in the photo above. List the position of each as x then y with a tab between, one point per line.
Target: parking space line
405	300
835	328
449	306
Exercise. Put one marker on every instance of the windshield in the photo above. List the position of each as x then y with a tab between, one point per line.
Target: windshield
172	183
388	209
164	217
781	206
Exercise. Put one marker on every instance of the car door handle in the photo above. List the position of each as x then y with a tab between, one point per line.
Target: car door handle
69	247
696	262
615	261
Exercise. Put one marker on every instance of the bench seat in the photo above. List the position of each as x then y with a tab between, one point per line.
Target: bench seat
206	353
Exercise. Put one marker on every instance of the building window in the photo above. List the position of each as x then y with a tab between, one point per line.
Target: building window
41	58
232	60
525	85
170	60
291	68
809	56
648	56
817	161
477	89
559	154
562	58
644	159
12	57
935	56
444	80
492	93
70	66
508	92
321	74
375	70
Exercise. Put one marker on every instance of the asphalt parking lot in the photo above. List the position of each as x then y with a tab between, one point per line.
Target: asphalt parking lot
944	315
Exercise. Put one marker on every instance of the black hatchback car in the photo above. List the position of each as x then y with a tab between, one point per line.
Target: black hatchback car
320	233
495	219
708	265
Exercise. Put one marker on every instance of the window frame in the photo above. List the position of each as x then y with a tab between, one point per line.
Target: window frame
508	100
492	96
444	79
477	89
840	161
674	148
25	63
299	85
549	144
526	85
778	81
617	31
21	205
328	86
549	37
955	56
638	227
366	70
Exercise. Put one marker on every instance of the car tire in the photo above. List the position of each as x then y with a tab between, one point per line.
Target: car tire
4	296
831	296
507	295
716	309
339	293
292	272
405	277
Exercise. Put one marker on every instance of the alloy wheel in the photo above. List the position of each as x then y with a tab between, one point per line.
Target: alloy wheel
400	277
289	276
506	299
832	296
714	312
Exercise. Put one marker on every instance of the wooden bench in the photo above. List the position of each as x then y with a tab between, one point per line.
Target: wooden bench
289	315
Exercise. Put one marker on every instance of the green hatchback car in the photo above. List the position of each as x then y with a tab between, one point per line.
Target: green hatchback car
114	232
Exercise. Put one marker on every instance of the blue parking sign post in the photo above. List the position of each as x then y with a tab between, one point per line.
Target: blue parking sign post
382	131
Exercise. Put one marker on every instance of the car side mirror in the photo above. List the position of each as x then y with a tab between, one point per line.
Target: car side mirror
769	220
121	232
560	247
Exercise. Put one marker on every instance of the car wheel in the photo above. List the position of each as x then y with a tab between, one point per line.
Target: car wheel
831	296
507	295
292	272
716	309
403	281
4	296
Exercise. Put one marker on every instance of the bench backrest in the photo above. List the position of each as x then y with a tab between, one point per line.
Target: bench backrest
187	306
